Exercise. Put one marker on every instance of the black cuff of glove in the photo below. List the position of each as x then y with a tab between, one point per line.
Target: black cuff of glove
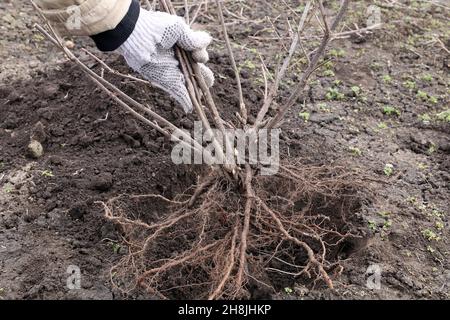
112	39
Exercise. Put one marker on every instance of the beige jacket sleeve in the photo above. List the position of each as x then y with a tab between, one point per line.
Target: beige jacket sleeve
84	17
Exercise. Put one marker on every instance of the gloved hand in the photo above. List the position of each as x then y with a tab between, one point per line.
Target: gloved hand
149	51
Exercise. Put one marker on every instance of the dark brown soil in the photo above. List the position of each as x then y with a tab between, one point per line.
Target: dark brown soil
49	218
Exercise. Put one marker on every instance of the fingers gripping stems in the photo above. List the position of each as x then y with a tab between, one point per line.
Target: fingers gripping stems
167	76
180	33
149	51
207	74
194	40
200	56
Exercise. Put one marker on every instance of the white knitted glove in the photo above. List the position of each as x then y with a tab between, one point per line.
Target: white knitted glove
149	51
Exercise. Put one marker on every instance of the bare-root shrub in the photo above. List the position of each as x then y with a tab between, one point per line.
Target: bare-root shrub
237	230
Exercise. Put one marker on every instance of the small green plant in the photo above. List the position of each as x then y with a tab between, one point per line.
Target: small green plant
355	151
425	118
372	225
249	64
300	8
439	225
387	224
382	126
430	235
430	249
387	78
8	188
391	111
422	95
47	173
356	90
328	73
433	99
324	107
444	116
337	53
328	65
388	169
422	207
411	40
305	116
409	84
427	77
116	247
422	166
334	94
438	214
288	290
